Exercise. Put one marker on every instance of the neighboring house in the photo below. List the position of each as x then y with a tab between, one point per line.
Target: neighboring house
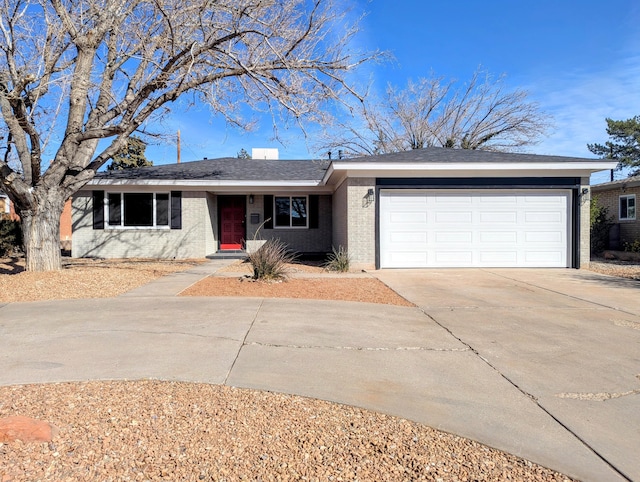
66	227
620	198
6	208
7	212
432	207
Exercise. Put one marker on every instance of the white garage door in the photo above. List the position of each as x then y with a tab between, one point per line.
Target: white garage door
420	229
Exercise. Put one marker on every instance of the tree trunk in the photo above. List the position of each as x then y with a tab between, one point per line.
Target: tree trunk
41	237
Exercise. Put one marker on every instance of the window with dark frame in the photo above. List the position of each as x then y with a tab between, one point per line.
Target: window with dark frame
138	209
291	211
627	207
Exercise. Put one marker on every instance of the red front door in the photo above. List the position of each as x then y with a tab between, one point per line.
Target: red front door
231	221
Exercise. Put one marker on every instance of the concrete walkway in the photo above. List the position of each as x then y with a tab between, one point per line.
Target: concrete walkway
539	363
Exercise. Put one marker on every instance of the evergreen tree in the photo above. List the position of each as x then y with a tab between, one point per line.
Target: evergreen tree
131	156
623	144
243	154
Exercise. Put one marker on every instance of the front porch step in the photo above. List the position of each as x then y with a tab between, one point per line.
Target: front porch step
228	254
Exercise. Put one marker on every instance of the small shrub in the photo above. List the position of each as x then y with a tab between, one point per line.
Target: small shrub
338	260
10	237
633	247
600	225
270	261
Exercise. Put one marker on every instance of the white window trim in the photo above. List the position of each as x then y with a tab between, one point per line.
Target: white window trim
121	226
275	226
627	197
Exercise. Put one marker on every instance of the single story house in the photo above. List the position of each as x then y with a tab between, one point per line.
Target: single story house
431	207
619	197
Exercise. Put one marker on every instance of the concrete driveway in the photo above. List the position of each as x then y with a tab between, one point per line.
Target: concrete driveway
567	340
540	363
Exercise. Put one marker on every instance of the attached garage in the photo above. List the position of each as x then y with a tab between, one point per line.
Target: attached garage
438	207
475	228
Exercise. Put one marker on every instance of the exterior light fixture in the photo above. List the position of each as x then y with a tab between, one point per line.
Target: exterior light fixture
250	198
370	194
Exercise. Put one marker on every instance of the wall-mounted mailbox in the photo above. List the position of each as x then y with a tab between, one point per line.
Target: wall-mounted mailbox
255	218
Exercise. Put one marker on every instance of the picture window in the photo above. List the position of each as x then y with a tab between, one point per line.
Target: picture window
133	210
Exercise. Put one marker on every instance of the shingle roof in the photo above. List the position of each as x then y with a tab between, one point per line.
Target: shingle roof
226	169
440	154
233	169
629	181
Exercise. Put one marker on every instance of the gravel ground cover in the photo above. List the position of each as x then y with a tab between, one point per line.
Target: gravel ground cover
368	290
155	430
82	278
621	269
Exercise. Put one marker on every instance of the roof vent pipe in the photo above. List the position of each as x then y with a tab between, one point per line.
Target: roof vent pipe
340	154
329	154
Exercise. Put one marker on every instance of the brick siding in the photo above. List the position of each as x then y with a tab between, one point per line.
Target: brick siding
188	242
610	199
584	244
340	219
300	240
361	223
198	236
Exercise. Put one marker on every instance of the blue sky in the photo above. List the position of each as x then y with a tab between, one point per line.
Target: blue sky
580	60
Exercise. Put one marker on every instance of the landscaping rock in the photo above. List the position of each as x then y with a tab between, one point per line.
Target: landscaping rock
622	256
26	429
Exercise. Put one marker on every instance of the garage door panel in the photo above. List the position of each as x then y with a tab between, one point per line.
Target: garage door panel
446	258
478	228
498	237
408	237
408	259
454	237
498	200
536	257
454	199
411	200
543	217
543	237
499	258
506	217
453	217
404	217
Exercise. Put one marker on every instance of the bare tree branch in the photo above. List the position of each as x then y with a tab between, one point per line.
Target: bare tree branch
433	112
90	71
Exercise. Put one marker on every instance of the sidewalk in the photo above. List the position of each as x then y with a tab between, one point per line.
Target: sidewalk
174	283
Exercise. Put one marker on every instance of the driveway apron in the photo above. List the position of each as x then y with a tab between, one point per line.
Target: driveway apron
568	340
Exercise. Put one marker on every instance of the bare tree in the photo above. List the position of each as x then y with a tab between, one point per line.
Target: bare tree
436	113
93	72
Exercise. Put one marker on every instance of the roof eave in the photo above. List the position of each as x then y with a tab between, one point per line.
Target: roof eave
200	183
474	169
